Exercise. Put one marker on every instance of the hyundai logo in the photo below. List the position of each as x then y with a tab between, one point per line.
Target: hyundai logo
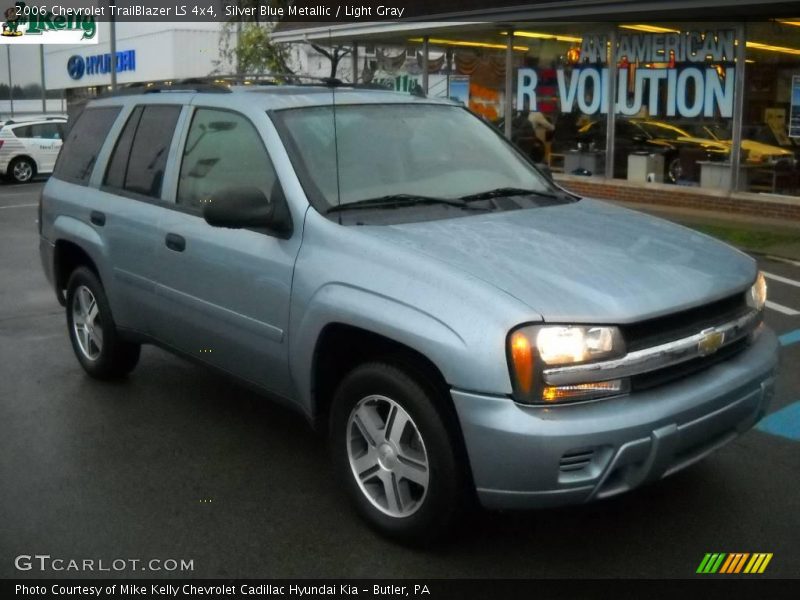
76	66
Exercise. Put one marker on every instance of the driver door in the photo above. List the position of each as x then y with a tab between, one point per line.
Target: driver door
225	292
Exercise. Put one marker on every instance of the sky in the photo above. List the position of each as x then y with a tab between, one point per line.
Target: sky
24	64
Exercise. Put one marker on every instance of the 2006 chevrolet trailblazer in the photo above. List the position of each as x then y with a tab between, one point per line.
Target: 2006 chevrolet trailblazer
392	268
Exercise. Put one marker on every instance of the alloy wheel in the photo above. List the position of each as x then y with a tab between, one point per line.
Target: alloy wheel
387	456
23	171
86	323
675	170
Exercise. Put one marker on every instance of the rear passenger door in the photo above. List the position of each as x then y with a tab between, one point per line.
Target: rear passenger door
130	206
225	292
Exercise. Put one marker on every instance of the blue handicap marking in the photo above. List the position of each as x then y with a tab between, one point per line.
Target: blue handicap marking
790	338
784	422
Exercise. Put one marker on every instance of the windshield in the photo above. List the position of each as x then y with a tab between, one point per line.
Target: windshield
390	150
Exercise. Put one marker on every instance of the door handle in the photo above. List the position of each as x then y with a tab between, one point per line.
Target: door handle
175	242
97	218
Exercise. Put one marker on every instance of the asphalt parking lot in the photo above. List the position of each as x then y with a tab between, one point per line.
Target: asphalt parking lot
179	463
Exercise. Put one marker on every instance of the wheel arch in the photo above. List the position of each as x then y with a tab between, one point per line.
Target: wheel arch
67	257
340	347
22	156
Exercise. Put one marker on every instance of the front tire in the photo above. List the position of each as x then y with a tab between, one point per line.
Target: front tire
92	331
393	449
21	170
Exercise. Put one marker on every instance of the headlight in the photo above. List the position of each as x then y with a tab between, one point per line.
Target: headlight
531	349
757	297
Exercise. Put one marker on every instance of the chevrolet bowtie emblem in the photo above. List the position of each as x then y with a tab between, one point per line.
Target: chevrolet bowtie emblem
710	341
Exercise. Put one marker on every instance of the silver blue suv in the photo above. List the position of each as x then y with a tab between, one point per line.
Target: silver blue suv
393	269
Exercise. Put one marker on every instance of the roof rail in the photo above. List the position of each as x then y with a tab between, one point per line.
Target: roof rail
187	87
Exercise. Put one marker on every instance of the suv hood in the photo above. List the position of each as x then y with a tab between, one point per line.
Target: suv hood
587	261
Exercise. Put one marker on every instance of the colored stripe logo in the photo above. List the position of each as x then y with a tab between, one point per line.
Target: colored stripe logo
734	563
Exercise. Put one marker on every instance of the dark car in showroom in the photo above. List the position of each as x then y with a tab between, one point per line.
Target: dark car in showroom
680	149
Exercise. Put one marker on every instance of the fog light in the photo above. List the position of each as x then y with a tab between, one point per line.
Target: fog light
584	391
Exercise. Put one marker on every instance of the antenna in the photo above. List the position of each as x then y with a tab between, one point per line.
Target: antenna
335	134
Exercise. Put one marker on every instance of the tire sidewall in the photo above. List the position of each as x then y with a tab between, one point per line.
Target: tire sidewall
443	498
84	277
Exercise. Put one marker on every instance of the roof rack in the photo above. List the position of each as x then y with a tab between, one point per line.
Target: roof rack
273	79
222	84
187	87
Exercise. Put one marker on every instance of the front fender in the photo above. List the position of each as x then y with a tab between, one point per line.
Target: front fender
349	305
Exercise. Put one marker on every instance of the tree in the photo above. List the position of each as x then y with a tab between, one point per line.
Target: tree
334	54
31	91
254	51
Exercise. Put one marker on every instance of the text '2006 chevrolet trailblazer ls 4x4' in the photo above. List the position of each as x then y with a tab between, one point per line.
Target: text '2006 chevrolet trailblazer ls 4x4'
392	268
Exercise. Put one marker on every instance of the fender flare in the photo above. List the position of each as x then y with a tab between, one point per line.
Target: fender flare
344	304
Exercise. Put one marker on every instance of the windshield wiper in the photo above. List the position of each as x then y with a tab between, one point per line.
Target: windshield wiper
507	192
398	200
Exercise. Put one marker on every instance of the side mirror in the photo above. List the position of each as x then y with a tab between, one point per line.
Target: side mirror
238	208
638	138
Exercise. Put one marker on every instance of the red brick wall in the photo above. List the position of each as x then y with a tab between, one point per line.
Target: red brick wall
682	197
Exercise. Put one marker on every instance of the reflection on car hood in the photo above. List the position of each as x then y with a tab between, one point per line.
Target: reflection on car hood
587	261
755	149
707	143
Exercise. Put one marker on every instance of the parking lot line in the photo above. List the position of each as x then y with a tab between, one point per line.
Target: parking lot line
784	422
18	205
790	338
785	280
787	261
782	309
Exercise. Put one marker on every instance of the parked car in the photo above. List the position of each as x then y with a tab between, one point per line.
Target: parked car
460	326
647	135
30	147
757	151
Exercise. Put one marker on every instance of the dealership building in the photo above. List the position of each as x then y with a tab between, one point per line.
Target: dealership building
706	112
146	53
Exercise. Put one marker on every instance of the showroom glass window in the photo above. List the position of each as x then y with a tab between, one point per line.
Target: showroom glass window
556	125
676	83
771	120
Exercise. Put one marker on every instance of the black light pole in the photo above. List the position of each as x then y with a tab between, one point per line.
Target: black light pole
113	43
44	88
10	82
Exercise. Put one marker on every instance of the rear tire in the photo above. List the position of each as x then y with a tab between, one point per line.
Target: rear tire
395	453
94	337
21	170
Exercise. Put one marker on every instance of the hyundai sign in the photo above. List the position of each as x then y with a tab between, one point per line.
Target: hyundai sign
100	64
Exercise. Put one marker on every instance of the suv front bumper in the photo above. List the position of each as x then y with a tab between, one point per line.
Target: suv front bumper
538	456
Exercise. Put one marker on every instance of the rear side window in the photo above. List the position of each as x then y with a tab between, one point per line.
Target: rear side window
79	154
46	131
22	132
140	156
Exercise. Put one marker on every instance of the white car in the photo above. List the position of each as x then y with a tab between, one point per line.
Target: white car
28	148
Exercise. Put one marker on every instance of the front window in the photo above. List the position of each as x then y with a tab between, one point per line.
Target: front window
412	150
